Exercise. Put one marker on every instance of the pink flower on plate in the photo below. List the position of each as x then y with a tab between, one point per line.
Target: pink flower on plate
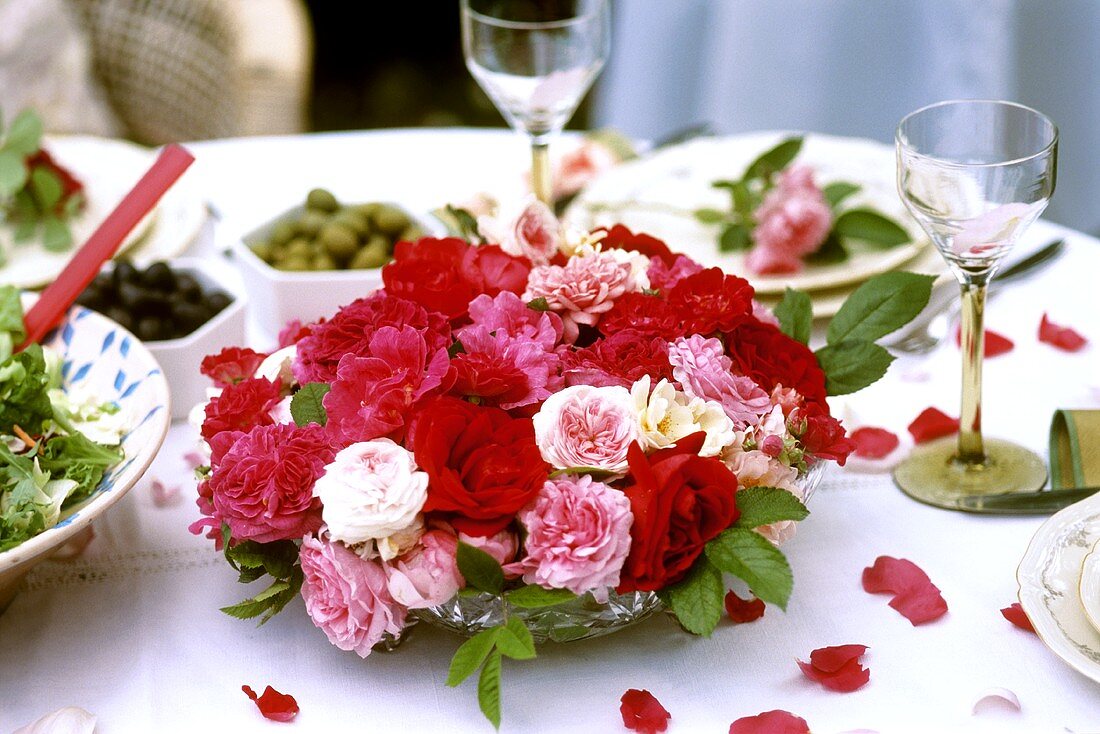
508	314
501	546
534	232
791	223
578	536
584	426
664	277
505	371
375	396
579	166
704	371
583	289
348	597
428	574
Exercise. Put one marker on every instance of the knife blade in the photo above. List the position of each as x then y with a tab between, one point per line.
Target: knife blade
1025	503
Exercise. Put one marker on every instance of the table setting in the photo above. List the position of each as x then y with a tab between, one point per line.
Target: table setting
540	431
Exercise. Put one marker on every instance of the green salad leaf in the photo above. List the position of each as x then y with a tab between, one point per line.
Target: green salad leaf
78	458
24	400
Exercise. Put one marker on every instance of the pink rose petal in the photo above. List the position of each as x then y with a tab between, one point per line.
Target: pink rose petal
1062	337
1015	613
272	704
643	713
915	596
165	495
770	722
996	699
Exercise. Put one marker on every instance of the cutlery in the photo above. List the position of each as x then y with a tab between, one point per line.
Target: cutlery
1043	502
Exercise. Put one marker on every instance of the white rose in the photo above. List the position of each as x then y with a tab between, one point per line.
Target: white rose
667	415
370	491
277	365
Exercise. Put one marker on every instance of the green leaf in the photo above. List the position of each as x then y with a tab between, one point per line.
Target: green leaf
741	199
11	313
751	557
13	172
539	304
272	590
462	223
25	134
838	192
480	569
852	365
883	304
831	252
25	230
247	609
774	160
765	505
488	689
710	216
56	236
696	600
734	238
870	227
46	187
515	640
456	349
536	597
307	407
471	654
795	314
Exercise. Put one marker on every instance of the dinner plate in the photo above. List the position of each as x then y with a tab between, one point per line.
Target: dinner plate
1050	576
1089	587
658	194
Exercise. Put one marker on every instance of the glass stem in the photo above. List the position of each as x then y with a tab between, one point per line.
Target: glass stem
971	449
541	182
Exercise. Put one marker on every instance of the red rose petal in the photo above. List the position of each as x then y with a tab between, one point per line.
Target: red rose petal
1061	337
273	705
1015	613
743	610
932	423
832	659
995	344
837	668
642	712
873	443
915	596
771	722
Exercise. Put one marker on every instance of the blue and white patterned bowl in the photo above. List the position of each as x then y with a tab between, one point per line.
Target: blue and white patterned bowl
99	354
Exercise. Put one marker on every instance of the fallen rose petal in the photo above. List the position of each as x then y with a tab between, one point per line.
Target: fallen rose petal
164	495
274	705
841	671
832	659
1015	613
743	610
873	443
193	459
996	699
915	596
642	712
1062	337
995	344
770	722
68	720
932	423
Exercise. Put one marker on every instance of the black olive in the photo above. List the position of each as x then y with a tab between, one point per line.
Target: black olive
91	298
103	282
121	317
131	296
149	328
217	301
188	288
124	272
188	317
159	276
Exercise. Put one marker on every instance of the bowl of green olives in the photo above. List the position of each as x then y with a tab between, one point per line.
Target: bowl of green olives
312	259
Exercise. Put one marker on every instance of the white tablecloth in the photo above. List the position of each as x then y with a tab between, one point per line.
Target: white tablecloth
132	632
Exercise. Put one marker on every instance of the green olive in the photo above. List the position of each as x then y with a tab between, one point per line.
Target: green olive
374	254
368	210
353	219
324	261
294	263
283	232
321	200
263	250
338	240
298	247
410	234
390	220
311	223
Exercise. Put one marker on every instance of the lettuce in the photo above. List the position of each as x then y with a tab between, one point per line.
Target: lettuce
23	397
30	501
77	458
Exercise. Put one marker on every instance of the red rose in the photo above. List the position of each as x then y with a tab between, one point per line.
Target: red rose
821	435
646	315
231	365
770	357
711	301
295	331
622	238
620	359
482	464
263	486
680	502
492	270
241	406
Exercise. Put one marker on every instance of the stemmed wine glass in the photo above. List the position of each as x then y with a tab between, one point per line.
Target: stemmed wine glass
536	59
975	174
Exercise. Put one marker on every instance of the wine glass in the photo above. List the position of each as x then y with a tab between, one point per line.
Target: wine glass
536	59
975	174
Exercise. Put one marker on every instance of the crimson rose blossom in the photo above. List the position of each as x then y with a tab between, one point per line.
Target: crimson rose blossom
241	406
231	365
770	357
263	486
621	359
483	465
680	501
622	238
648	316
711	301
820	434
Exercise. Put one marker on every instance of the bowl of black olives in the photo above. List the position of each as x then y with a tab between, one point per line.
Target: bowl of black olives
312	259
182	310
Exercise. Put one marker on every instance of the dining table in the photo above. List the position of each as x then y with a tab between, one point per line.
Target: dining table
130	629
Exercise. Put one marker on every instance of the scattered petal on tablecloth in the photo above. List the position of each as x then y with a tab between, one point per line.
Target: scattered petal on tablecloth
995	344
743	610
915	596
932	423
165	495
872	442
996	699
1062	337
770	722
273	705
193	459
642	712
68	720
1015	613
837	668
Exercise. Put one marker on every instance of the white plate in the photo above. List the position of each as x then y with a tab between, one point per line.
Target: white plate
657	194
1049	576
1089	587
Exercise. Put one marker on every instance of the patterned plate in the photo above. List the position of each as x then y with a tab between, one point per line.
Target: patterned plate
1089	588
1049	576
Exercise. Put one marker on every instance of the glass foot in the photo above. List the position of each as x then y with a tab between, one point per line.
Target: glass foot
934	476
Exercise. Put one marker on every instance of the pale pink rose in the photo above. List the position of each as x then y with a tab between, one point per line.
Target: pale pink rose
502	546
663	277
347	597
579	166
585	426
532	232
791	223
704	371
428	574
786	398
583	289
757	469
763	313
578	536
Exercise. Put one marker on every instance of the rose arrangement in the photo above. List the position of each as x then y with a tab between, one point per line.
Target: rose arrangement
780	216
542	417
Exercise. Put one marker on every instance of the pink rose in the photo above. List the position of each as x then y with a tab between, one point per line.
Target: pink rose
704	371
792	222
579	166
533	233
578	536
347	597
501	546
583	289
505	371
585	426
506	313
263	485
428	574
758	469
664	277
